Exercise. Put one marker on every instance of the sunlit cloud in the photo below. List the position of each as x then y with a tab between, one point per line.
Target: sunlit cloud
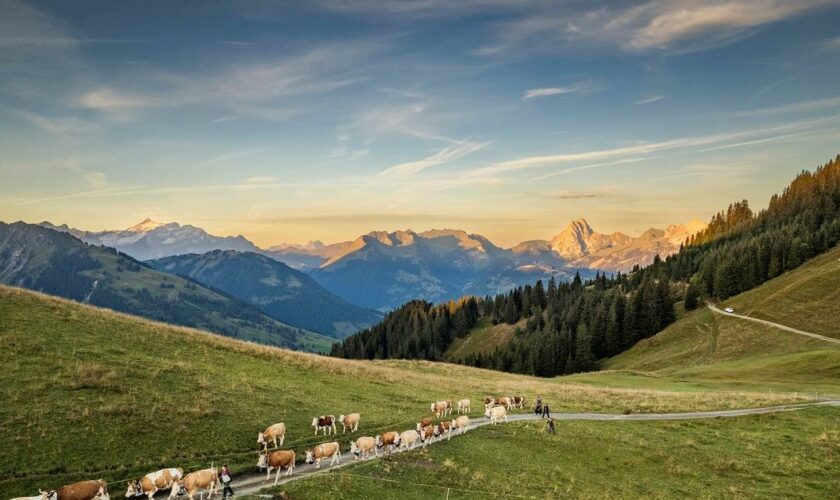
650	100
451	153
552	91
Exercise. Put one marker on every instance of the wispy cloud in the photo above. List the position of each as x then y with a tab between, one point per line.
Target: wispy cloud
795	107
650	100
233	155
61	126
451	153
550	91
654	25
832	43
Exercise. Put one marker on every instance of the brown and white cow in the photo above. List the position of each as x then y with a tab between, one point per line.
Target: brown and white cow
153	482
448	407
350	422
84	490
273	433
439	408
442	428
460	424
424	422
322	451
504	401
488	401
325	423
464	406
277	460
426	435
496	414
517	402
363	446
388	440
408	439
200	480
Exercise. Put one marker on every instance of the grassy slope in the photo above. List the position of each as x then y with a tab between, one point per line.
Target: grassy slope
709	350
791	455
484	338
807	298
89	392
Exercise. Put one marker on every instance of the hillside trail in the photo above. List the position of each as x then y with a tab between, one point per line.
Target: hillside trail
252	484
775	325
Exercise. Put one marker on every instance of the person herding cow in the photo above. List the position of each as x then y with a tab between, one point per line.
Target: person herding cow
226	480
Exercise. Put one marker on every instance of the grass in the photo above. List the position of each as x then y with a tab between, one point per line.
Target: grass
706	351
87	392
807	298
789	455
484	338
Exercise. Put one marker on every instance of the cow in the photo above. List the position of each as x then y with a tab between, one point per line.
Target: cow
424	422
153	482
273	433
42	495
439	408
388	440
503	401
489	401
426	435
277	460
444	428
517	402
408	439
464	406
322	451
448	407
363	446
83	490
325	422
205	479
350	422
460	424
496	414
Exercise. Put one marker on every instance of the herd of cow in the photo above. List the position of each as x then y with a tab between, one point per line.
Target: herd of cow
174	480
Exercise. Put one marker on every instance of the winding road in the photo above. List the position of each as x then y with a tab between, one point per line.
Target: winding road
252	484
775	325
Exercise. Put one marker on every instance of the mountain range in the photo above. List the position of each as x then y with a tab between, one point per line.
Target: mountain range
278	290
57	263
382	270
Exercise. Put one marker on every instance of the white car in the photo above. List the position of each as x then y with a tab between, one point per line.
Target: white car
729	310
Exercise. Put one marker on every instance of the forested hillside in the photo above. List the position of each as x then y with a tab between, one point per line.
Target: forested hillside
572	325
57	263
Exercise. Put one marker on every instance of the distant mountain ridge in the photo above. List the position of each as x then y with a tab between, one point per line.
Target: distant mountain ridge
381	270
281	292
54	262
152	240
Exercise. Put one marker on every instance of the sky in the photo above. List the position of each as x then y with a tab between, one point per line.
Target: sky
320	119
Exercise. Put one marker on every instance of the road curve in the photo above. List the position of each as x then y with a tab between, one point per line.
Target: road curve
252	484
775	325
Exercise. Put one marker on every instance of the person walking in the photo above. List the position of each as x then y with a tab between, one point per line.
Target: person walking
226	480
546	412
550	426
538	406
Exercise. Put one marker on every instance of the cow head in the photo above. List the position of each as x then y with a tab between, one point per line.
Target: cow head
354	449
397	439
341	419
48	495
433	407
315	421
262	463
260	438
438	431
310	456
419	427
133	489
378	441
487	413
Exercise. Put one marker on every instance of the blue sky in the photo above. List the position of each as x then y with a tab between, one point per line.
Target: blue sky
291	121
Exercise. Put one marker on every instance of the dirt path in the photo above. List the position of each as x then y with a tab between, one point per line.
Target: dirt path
253	484
775	325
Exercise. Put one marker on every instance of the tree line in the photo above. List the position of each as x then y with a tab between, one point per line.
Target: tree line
565	328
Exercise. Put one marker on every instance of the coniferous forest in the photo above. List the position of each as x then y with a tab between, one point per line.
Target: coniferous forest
568	327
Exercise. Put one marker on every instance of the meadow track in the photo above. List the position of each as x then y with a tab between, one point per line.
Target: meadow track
775	325
253	483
